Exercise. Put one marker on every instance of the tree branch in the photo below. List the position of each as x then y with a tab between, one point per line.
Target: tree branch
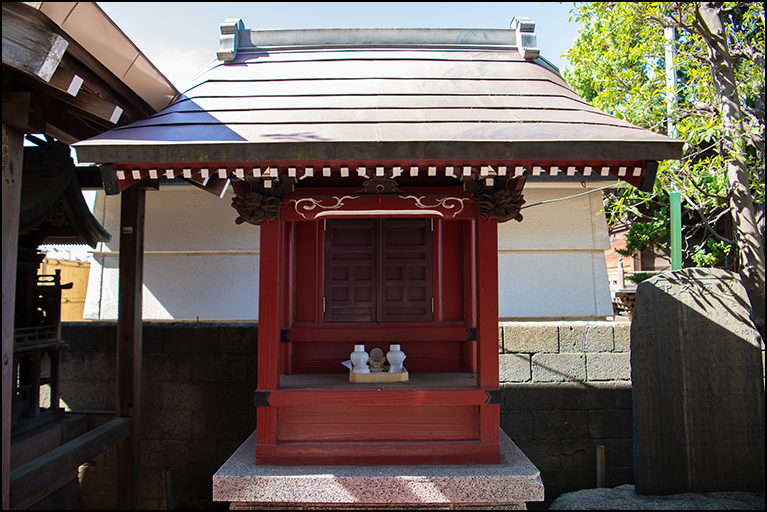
707	222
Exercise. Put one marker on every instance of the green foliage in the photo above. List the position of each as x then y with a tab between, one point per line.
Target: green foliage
716	253
619	66
638	277
644	235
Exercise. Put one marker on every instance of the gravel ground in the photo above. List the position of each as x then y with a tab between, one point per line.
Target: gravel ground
624	498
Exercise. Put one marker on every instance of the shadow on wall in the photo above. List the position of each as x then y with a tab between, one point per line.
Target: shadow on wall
559	425
196	399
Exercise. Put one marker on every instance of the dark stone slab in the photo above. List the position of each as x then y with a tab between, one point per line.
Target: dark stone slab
698	392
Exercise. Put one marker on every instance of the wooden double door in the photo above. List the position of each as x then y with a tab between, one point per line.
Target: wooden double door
378	270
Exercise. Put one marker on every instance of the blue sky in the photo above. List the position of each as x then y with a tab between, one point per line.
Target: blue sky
181	37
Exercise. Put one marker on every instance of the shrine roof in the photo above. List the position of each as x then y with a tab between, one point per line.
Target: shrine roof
378	96
379	86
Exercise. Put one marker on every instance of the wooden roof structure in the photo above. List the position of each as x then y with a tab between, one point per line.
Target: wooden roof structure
280	105
53	210
69	73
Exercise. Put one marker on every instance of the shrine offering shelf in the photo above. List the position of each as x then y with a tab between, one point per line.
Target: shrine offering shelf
330	390
340	382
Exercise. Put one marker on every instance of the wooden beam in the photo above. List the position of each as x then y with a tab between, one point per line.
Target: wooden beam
85	102
24	112
31	48
269	306
65	81
13	153
42	475
129	345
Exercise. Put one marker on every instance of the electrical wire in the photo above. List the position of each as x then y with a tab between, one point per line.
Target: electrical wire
568	197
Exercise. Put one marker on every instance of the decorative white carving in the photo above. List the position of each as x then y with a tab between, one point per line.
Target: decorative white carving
448	203
307	204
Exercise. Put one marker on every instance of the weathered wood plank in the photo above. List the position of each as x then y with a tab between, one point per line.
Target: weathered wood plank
363	424
129	343
26	481
12	164
31	48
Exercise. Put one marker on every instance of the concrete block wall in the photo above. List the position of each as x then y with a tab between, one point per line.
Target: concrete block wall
566	389
196	400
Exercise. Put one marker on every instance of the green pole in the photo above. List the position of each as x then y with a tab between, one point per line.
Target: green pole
675	205
675	198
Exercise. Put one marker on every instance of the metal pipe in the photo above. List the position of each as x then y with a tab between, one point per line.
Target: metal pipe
600	466
167	489
675	210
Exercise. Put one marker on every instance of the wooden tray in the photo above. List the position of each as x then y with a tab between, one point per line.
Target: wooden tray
379	377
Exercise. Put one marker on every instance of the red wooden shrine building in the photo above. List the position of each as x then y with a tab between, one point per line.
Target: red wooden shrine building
377	164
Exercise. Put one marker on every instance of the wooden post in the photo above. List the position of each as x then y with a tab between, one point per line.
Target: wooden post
269	305
487	302
129	348
13	152
487	325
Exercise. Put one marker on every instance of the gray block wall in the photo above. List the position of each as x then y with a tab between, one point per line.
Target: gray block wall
196	402
566	388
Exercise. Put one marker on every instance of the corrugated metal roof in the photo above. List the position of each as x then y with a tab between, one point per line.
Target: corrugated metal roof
377	94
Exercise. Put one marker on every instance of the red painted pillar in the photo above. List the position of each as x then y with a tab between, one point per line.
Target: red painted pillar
487	325
269	306
487	303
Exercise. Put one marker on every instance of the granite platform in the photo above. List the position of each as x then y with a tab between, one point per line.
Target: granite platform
505	486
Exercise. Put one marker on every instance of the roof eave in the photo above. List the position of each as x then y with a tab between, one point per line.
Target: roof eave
202	151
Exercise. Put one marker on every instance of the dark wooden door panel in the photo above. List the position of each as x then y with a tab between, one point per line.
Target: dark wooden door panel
351	270
407	270
378	270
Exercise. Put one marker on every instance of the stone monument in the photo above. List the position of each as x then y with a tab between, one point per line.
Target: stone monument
698	389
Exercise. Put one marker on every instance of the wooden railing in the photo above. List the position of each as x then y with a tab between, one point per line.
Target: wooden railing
31	345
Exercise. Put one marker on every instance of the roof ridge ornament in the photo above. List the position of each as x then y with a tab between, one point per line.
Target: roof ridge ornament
527	41
230	34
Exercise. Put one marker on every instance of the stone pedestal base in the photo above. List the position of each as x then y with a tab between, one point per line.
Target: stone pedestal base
505	486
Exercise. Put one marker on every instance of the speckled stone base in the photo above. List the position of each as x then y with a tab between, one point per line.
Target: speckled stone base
505	486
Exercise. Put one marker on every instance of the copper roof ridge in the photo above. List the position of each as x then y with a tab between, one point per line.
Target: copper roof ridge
235	37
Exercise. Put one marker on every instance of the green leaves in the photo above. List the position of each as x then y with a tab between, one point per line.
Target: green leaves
618	65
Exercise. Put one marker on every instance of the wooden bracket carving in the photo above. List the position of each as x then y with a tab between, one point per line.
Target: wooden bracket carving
502	205
380	185
254	207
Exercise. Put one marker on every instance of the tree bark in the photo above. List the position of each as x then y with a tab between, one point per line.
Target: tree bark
750	250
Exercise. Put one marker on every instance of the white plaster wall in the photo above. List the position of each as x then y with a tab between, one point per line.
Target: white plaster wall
552	264
199	264
197	261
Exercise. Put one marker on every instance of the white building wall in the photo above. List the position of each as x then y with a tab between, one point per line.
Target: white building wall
199	264
552	264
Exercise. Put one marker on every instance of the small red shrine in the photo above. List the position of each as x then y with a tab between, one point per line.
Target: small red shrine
377	164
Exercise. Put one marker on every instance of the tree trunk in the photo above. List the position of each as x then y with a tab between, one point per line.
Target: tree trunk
750	250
